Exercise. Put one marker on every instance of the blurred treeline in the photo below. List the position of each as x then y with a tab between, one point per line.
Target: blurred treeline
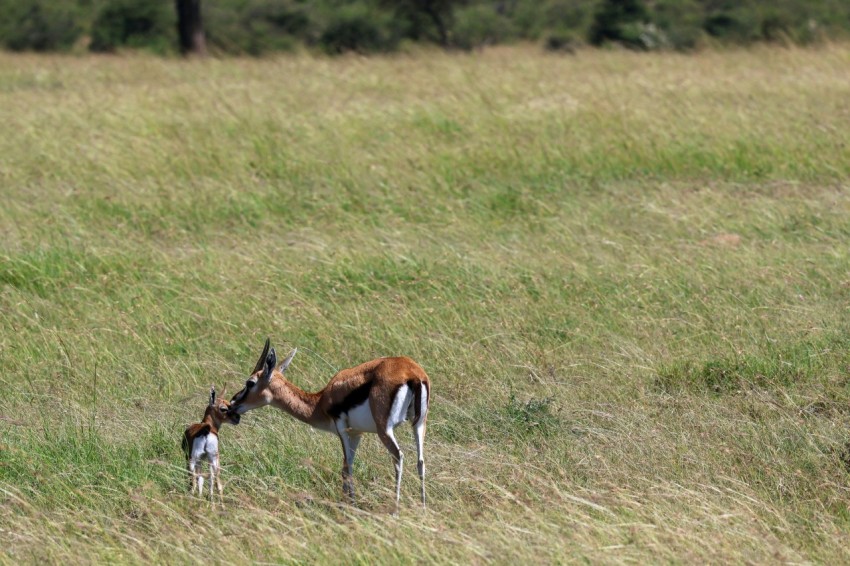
261	26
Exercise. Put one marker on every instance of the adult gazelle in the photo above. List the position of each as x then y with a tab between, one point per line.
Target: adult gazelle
374	397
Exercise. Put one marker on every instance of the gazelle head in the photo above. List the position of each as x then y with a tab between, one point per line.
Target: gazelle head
219	408
256	392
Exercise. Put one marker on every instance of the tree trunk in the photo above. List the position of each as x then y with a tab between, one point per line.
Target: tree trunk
192	40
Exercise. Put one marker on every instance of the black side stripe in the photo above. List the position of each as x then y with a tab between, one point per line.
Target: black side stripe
355	398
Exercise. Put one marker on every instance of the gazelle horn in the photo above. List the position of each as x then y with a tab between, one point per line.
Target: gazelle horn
262	361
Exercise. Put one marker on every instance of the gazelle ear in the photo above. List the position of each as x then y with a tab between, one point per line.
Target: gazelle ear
223	389
271	361
212	395
288	360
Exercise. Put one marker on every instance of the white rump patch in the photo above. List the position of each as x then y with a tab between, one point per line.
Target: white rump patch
398	412
204	447
423	409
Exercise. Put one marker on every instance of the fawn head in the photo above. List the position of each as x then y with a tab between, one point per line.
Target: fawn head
219	408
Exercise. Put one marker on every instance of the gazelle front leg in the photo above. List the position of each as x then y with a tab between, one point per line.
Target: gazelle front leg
349	449
193	474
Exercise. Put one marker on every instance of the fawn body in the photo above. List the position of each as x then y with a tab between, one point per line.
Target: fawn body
200	442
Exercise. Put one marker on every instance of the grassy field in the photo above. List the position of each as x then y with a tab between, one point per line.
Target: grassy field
627	275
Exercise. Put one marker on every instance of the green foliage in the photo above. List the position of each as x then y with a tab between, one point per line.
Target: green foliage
257	27
357	27
425	20
782	21
560	41
479	25
140	24
681	23
534	416
620	21
536	20
39	25
732	21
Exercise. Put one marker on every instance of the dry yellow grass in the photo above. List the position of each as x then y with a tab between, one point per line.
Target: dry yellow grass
626	274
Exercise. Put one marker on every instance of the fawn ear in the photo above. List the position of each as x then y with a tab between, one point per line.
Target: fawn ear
212	395
271	361
288	360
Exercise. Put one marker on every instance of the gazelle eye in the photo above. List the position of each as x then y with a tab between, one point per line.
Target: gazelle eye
249	384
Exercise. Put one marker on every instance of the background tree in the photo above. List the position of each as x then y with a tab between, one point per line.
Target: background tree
256	27
421	14
133	24
190	28
39	25
618	21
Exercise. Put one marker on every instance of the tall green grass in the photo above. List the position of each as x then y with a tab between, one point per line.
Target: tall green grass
626	275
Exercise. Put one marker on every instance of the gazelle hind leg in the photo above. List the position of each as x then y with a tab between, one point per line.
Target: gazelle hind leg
212	482
399	412
215	481
218	485
419	438
200	479
388	438
193	475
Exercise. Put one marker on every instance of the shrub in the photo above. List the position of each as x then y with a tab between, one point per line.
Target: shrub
539	19
734	22
479	25
39	25
258	27
680	21
561	41
423	19
149	24
620	21
534	416
358	27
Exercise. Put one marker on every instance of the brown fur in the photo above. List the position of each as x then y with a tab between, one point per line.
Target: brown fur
214	416
385	375
376	381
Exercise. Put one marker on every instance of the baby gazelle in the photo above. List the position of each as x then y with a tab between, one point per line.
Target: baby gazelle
200	442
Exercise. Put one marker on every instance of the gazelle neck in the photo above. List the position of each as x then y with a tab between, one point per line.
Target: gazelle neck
302	405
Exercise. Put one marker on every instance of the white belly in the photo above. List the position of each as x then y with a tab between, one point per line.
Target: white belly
360	419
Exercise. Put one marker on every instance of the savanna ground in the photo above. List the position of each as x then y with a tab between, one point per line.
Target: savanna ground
627	276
